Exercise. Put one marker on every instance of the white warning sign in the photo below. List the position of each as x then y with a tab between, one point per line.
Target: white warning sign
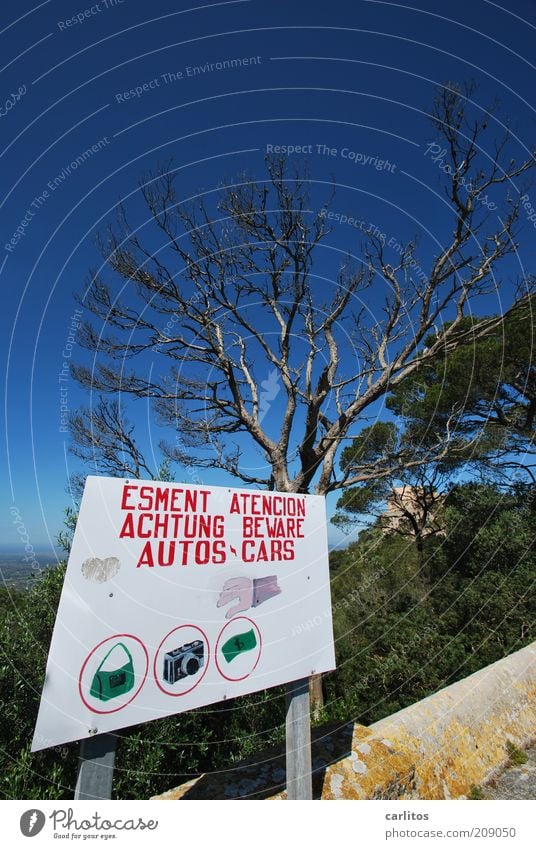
178	596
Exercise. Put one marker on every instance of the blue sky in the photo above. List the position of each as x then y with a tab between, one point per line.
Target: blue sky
348	75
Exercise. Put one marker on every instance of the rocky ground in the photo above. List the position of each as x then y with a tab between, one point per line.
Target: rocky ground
516	782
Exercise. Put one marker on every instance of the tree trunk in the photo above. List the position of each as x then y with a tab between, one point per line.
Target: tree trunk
316	694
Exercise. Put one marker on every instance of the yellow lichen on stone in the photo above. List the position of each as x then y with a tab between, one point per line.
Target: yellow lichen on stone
434	749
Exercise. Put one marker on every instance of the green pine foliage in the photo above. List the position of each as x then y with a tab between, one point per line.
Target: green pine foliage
415	625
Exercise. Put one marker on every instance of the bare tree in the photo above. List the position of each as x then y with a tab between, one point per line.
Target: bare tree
228	299
219	301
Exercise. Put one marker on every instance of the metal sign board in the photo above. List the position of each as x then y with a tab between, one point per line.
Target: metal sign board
178	596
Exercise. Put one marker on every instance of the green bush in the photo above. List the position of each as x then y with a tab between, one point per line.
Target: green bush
405	628
516	757
476	793
150	758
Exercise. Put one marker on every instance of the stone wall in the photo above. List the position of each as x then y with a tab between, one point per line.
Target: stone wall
434	749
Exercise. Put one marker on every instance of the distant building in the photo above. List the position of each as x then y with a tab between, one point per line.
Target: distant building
413	510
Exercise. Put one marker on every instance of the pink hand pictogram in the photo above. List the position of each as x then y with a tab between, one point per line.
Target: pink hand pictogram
250	593
236	588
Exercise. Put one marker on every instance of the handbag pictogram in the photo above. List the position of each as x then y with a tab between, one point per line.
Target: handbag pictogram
110	683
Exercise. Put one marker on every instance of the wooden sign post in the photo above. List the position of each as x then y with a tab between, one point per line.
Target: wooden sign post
298	740
96	767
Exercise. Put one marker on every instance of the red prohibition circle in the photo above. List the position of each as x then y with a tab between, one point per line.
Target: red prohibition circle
184	692
92	652
222	673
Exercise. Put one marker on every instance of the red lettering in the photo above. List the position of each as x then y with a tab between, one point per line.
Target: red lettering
161	499
219	554
141	533
146	493
259	527
191	497
161	524
245	557
128	527
146	558
275	528
263	552
288	550
175	493
202	552
190	501
190	527
162	561
219	527
276	549
126	492
185	551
